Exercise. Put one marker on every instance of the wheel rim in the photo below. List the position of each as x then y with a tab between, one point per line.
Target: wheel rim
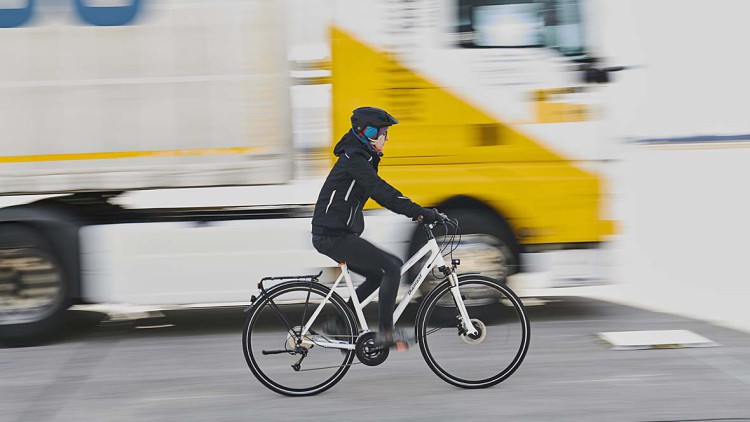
265	331
480	253
469	363
31	285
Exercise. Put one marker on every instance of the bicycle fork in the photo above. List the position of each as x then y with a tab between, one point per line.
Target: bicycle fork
458	299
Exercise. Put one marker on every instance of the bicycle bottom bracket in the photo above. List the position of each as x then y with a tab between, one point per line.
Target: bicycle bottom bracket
366	351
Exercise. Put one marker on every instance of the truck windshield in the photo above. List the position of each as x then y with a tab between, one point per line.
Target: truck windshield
521	23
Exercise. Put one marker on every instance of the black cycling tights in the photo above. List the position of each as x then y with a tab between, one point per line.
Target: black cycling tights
380	268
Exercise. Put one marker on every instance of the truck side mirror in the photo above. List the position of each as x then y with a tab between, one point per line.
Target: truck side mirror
595	75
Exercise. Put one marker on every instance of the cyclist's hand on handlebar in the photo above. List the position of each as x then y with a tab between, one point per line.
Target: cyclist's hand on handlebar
431	216
427	216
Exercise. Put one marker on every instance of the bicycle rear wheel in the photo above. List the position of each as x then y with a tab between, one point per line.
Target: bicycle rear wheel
482	361
282	359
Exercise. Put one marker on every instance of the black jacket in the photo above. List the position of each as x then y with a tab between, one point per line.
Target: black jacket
352	181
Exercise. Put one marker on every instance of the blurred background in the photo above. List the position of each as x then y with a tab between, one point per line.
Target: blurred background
159	157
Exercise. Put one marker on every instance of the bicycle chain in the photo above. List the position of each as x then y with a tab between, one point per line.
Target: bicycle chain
328	367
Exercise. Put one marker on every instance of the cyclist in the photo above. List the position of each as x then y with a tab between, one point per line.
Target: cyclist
338	220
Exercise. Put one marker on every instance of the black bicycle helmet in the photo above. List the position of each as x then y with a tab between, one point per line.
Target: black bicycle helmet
371	116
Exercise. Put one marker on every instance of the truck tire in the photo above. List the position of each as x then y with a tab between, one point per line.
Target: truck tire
487	246
34	290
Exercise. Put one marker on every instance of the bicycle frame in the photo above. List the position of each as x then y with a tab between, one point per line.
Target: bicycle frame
435	259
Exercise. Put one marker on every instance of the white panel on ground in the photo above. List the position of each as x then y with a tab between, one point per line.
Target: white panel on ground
655	339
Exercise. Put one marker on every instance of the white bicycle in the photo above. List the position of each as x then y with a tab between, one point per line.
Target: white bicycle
470	347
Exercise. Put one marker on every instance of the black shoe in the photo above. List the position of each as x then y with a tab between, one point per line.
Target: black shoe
397	339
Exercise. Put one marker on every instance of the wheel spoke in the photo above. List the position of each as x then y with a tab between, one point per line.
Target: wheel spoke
438	329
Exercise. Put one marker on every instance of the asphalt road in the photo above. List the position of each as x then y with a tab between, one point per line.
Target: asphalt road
193	370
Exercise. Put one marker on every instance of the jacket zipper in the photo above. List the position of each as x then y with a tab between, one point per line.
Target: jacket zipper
330	201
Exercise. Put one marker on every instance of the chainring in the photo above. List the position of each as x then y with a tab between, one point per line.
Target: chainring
366	352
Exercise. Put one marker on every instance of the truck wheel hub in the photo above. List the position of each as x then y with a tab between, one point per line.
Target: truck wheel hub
31	285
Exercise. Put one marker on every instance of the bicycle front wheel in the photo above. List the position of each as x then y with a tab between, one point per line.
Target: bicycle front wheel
474	361
283	359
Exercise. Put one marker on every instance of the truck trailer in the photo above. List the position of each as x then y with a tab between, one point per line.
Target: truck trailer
159	134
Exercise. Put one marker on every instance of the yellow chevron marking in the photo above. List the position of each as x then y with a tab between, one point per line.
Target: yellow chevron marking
447	146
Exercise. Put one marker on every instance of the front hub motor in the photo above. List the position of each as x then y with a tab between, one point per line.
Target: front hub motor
366	351
479	337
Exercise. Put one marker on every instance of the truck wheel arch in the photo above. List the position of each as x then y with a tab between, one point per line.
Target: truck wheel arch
478	217
460	202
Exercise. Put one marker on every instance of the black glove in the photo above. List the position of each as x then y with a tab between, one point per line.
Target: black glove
428	216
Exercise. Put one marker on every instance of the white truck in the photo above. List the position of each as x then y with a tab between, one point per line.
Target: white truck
159	132
100	100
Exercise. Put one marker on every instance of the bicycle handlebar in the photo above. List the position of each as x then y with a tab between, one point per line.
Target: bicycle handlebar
440	218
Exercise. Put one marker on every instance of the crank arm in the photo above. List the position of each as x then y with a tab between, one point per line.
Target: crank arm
274	352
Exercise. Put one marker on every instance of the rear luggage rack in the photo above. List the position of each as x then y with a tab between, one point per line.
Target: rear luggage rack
312	278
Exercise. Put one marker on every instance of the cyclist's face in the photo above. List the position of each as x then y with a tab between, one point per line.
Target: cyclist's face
379	144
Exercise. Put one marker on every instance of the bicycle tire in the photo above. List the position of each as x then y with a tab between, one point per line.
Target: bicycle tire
424	333
262	304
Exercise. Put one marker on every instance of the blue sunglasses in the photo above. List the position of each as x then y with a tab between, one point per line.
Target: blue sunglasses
375	133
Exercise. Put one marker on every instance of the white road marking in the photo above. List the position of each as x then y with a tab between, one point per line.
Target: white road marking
654	339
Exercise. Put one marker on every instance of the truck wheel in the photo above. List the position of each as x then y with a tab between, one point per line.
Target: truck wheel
33	287
487	246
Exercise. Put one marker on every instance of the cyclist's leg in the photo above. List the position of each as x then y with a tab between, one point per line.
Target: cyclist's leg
373	277
379	267
326	245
